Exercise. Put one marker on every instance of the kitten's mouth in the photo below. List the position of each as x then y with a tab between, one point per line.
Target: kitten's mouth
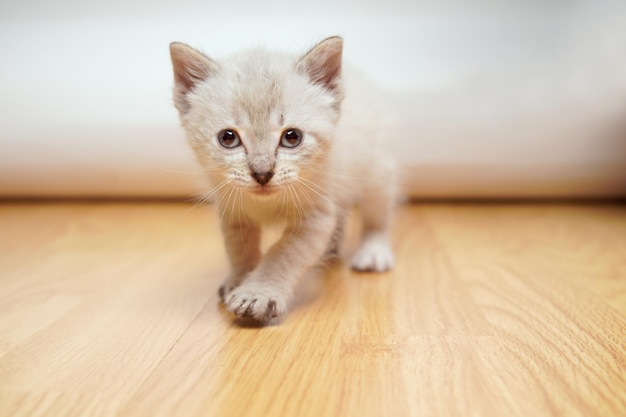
264	190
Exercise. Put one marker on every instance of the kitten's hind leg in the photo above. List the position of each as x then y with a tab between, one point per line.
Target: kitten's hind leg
332	251
375	253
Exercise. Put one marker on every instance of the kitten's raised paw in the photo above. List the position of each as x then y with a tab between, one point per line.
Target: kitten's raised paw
375	255
256	301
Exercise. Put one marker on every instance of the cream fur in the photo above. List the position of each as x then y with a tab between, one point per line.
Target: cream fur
340	162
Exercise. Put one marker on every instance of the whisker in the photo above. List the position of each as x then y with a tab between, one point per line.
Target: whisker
245	216
203	198
297	187
216	210
343	187
325	196
200	170
216	189
298	213
230	218
299	204
283	199
239	210
335	175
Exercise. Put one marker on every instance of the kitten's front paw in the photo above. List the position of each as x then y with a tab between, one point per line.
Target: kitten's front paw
374	255
258	301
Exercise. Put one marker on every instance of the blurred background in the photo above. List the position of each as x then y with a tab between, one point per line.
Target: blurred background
520	98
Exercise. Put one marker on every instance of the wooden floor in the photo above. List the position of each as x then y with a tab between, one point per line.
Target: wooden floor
501	310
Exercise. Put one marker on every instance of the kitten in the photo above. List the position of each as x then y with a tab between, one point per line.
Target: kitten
266	129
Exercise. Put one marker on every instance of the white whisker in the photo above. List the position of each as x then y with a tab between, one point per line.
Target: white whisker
203	198
310	184
335	175
283	199
299	213
240	209
226	207
297	187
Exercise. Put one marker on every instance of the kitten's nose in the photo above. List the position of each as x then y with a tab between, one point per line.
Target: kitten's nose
263	177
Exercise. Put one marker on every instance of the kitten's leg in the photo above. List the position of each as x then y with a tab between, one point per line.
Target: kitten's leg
377	204
265	292
242	241
332	251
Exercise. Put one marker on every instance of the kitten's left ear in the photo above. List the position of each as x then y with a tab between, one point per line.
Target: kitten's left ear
190	68
322	64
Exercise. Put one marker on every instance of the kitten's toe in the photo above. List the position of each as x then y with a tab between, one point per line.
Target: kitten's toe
223	291
228	286
256	301
375	255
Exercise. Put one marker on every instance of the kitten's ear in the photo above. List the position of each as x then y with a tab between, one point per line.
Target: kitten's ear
322	64
190	68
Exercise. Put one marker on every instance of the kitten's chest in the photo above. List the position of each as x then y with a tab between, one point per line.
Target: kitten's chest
274	210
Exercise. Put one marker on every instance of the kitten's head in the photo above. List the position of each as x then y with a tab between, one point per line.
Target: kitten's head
260	121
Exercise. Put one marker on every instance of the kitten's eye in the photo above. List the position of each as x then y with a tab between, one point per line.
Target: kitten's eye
291	138
228	138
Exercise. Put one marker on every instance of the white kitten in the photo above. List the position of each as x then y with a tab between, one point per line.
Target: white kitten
266	128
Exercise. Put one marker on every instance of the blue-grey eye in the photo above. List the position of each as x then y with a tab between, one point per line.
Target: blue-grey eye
291	138
228	139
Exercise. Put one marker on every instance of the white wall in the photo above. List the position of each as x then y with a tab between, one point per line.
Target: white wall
512	98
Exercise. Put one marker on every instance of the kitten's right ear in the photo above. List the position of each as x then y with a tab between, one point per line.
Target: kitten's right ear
190	68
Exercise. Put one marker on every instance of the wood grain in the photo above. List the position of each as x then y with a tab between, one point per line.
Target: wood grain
494	310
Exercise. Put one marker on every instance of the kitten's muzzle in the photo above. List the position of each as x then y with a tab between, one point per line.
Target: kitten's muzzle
263	177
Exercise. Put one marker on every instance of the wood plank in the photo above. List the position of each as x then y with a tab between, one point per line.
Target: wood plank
111	310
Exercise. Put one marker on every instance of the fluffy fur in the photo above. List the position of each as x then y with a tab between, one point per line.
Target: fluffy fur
340	162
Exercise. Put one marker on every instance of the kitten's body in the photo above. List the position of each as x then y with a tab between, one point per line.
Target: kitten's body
242	116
